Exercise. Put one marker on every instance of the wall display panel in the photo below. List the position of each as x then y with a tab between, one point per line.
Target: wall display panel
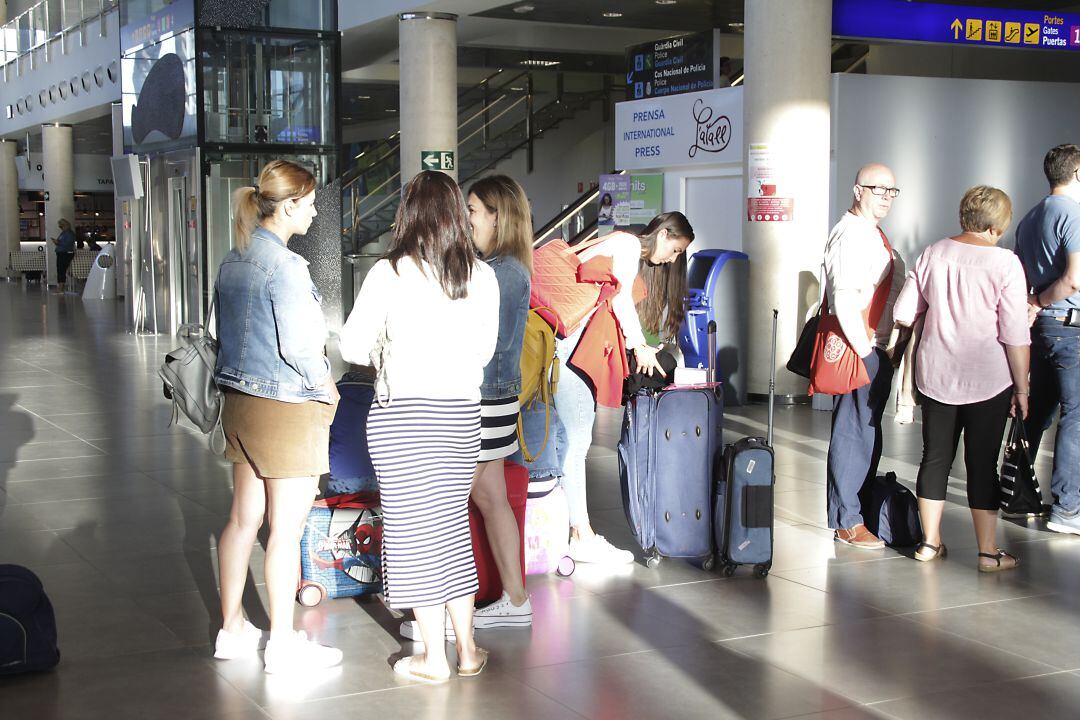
267	90
143	22
158	95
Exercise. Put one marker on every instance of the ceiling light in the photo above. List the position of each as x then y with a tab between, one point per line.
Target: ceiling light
613	14
363	97
540	63
522	9
665	2
391	110
736	25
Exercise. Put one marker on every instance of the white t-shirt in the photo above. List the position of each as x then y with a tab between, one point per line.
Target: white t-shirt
856	262
438	346
624	250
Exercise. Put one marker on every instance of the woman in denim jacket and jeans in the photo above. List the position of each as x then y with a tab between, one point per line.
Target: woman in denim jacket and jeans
502	232
279	402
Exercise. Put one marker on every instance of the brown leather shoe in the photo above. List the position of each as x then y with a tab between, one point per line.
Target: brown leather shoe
859	537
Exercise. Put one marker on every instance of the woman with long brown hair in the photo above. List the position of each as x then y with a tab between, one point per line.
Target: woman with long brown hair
427	317
651	270
279	403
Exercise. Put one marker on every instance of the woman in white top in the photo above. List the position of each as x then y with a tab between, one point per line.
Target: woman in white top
427	317
655	261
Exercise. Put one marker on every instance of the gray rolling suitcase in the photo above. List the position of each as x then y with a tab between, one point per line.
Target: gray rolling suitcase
743	511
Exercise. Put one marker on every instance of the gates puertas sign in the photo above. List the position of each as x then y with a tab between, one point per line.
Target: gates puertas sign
956	24
670	66
688	129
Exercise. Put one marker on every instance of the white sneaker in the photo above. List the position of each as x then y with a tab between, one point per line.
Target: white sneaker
246	643
598	550
295	653
503	613
410	630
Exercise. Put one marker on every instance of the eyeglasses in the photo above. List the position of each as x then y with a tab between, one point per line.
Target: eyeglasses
881	190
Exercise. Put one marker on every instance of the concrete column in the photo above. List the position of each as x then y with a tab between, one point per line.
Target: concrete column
9	199
58	163
786	105
428	108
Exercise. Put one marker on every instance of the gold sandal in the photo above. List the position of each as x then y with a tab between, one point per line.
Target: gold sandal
404	667
476	669
939	551
998	557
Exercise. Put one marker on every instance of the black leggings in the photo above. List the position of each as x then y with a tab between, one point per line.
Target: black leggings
63	261
983	425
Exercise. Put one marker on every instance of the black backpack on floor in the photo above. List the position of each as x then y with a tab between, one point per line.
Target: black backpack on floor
27	623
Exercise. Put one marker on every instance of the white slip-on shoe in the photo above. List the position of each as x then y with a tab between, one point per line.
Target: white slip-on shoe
295	653
503	613
598	550
246	643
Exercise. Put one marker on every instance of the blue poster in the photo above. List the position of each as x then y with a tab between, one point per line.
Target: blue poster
956	24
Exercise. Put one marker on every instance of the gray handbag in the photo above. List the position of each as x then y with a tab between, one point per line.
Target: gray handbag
188	377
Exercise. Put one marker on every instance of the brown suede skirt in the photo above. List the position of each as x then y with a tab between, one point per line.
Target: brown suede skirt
278	439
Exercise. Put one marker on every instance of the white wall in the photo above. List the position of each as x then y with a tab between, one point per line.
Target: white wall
93	173
71	67
942	136
578	151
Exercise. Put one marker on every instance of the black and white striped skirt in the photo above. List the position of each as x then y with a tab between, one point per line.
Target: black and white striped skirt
424	452
498	428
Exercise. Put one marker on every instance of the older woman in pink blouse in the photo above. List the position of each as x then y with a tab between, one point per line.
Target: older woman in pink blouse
971	368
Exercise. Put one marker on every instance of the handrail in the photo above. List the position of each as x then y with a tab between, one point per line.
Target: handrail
586	199
353	175
37	23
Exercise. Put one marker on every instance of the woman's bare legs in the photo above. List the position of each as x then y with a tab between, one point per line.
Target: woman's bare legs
237	541
289	502
489	494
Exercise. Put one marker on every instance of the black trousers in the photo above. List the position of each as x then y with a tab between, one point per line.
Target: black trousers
63	262
983	426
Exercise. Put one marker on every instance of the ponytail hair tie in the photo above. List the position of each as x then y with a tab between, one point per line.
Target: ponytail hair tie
256	186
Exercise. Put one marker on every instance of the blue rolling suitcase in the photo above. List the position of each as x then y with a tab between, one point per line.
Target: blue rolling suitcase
744	497
667	451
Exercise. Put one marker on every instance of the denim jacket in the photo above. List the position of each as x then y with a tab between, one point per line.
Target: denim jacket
270	324
502	376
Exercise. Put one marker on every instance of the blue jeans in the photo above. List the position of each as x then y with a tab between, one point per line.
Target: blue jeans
855	445
1055	381
577	410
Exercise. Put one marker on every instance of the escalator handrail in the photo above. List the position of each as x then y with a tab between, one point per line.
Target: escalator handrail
584	200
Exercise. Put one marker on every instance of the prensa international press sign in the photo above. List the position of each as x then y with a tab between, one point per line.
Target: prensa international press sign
688	129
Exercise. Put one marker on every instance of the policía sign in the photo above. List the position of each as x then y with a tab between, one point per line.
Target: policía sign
956	24
688	129
670	66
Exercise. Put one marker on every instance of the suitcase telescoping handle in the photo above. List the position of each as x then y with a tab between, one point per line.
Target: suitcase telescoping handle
710	371
772	376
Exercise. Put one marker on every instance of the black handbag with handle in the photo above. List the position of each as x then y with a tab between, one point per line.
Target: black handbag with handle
799	362
1020	493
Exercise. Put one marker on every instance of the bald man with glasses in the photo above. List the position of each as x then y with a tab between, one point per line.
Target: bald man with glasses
859	261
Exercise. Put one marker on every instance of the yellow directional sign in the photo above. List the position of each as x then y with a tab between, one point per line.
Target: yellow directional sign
993	31
973	30
956	27
1031	33
1012	32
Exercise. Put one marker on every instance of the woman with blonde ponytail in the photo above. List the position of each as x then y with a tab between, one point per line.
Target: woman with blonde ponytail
279	403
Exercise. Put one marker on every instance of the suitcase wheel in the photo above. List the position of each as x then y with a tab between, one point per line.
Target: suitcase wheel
729	569
310	595
652	561
761	570
708	563
566	566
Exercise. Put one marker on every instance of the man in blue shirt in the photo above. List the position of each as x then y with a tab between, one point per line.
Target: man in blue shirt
1048	243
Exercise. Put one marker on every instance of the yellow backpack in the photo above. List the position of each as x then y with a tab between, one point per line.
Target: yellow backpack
539	375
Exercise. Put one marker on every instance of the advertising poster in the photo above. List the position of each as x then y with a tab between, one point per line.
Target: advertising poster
766	201
646	198
613	201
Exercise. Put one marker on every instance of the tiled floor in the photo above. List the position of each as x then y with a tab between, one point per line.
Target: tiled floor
119	514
